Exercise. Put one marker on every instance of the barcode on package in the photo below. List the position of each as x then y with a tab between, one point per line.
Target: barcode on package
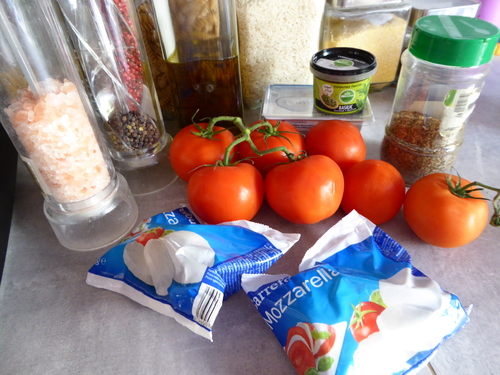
461	104
207	304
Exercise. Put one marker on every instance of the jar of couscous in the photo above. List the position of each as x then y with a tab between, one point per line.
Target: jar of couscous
376	26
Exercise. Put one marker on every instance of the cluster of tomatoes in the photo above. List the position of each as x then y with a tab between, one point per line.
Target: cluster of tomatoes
306	179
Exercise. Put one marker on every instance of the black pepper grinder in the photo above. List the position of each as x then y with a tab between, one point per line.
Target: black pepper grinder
109	45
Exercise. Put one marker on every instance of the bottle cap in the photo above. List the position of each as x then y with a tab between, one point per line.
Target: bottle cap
454	40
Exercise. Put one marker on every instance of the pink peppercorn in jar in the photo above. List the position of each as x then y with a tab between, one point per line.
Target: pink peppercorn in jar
110	47
47	114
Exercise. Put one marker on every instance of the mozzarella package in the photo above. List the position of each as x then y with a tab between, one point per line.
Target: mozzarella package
357	306
181	268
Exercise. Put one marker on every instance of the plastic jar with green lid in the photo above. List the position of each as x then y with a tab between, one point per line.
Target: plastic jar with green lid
442	74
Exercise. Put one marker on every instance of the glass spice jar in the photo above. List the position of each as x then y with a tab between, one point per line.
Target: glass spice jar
48	116
443	72
108	41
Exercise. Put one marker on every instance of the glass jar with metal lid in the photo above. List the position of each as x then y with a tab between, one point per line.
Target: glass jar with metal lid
443	72
376	26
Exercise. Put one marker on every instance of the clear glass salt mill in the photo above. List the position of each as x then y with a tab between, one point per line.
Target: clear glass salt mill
109	44
442	75
200	45
47	113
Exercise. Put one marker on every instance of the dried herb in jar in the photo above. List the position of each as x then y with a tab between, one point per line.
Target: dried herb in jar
416	146
133	131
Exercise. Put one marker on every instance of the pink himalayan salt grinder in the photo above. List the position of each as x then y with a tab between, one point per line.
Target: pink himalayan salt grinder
50	120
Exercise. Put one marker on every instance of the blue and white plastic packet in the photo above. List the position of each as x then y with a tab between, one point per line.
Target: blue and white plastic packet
357	306
184	269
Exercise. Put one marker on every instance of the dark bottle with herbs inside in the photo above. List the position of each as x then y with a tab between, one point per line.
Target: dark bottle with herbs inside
200	45
442	74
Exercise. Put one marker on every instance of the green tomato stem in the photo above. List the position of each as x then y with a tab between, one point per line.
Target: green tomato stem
245	136
464	192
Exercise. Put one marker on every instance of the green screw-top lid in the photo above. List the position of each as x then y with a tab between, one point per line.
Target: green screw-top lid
454	40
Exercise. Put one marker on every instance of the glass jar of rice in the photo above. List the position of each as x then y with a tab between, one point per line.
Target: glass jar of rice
277	39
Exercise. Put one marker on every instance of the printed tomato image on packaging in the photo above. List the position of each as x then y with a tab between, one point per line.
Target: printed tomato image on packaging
315	346
184	269
357	306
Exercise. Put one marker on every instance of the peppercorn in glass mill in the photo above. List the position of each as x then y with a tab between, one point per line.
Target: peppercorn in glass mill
47	114
108	41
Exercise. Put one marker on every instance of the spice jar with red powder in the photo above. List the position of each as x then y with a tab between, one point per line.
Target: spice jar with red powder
107	37
45	110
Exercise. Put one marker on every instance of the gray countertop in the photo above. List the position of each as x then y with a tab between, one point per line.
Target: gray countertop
52	322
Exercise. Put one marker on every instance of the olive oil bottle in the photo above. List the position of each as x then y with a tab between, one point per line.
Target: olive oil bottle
200	46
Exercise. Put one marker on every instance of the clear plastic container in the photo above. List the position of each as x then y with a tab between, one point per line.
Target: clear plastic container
443	72
377	26
47	114
295	104
108	41
200	45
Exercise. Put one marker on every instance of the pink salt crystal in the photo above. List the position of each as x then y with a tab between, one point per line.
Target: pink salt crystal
68	86
60	141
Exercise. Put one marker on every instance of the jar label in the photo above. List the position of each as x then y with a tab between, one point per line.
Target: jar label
458	105
340	98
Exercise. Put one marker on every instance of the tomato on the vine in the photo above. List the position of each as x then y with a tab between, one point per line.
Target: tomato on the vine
441	218
226	192
375	189
364	320
305	191
194	146
280	134
340	140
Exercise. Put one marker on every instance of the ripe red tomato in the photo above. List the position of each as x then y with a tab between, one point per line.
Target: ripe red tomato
192	147
364	320
284	135
305	191
340	140
439	217
226	193
375	189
